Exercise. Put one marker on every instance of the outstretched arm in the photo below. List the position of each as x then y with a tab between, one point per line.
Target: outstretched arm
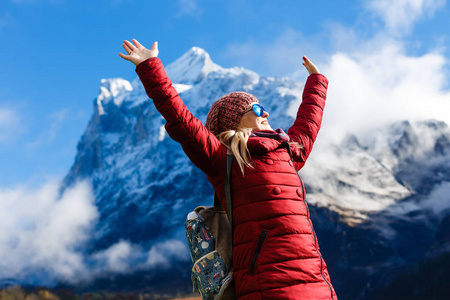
309	116
200	145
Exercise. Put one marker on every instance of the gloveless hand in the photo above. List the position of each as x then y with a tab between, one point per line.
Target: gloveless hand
138	53
312	69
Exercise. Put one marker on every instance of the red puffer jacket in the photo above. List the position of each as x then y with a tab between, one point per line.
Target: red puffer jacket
275	250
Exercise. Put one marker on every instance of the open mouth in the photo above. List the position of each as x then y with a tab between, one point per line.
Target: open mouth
265	122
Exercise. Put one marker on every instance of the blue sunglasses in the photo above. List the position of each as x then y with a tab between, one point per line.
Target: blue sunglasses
258	109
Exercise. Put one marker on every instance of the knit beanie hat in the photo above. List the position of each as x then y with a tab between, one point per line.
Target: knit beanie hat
226	112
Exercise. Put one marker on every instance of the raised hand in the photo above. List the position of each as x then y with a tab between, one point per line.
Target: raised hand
312	69
138	53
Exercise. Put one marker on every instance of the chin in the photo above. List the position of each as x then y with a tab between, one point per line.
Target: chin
262	127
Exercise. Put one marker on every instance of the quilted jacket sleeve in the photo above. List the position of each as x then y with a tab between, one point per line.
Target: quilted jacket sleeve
200	145
309	117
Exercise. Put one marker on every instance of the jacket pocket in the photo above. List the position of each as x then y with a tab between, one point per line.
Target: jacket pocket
262	236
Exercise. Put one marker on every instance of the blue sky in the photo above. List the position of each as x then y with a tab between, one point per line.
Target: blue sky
55	52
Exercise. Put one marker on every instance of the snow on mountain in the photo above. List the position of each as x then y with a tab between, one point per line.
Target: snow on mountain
372	173
347	179
112	89
192	67
368	194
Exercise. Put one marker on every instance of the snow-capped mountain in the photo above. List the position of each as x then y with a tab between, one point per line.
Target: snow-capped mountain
377	172
382	202
377	201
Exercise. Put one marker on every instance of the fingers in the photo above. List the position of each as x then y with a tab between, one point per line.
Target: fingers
312	69
130	45
307	61
127	48
136	43
155	46
126	57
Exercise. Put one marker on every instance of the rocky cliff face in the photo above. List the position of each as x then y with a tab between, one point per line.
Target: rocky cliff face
379	203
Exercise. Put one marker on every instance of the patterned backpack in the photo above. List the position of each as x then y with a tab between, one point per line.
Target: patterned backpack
209	235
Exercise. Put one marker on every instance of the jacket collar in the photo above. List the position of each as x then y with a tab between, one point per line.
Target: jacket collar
261	145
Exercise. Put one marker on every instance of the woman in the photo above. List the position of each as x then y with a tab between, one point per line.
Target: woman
275	250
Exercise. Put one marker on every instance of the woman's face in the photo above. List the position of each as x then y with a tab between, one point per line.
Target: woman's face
251	120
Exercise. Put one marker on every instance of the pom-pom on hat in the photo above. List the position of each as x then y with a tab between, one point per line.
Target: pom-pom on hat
226	112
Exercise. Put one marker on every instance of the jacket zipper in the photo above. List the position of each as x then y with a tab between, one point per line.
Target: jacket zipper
315	238
262	236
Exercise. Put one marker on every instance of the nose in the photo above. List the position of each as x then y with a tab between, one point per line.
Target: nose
265	114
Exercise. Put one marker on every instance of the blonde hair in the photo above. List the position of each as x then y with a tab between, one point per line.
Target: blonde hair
236	142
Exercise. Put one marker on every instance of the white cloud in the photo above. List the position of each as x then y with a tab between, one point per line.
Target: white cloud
45	236
10	126
439	200
161	254
400	15
125	258
188	8
118	258
372	88
42	232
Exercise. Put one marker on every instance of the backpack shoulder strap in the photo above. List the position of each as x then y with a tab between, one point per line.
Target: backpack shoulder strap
217	204
230	158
